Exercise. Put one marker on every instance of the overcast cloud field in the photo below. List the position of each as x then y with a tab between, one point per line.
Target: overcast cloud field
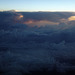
34	43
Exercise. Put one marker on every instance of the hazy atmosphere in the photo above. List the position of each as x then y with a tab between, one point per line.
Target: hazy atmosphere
37	37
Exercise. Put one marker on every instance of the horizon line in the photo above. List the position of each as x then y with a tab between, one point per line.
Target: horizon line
36	11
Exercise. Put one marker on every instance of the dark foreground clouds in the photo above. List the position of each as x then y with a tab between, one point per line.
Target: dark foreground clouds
37	43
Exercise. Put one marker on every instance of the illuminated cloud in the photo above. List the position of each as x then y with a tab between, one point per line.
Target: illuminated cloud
72	18
63	20
40	23
19	17
29	22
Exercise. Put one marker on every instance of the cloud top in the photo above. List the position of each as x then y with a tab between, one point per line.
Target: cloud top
72	18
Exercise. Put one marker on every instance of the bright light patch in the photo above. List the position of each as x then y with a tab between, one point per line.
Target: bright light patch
72	18
21	16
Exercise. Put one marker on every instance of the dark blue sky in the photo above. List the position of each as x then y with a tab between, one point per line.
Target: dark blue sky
38	5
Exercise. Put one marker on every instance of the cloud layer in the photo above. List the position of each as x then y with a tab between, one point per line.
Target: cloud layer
37	42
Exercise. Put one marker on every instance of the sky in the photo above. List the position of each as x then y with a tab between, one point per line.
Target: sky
38	5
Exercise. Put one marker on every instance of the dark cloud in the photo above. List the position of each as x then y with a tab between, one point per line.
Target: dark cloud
35	49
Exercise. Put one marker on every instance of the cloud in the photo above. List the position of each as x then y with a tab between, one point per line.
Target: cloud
63	20
72	18
40	23
50	46
9	11
18	17
13	11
